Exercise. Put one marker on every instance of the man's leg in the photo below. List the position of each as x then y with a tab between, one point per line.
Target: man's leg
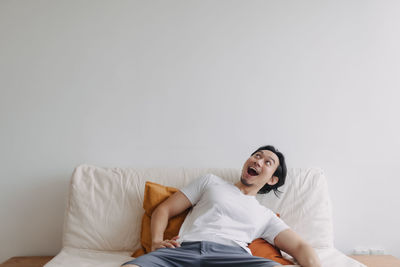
237	260
217	255
186	255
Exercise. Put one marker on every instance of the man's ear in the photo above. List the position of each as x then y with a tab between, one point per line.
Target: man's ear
273	181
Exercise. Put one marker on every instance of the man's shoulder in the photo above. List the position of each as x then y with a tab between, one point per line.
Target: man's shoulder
209	179
212	178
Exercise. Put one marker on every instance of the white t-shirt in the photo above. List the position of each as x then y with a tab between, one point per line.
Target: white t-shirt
223	214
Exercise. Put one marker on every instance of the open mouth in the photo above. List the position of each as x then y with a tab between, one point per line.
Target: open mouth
252	171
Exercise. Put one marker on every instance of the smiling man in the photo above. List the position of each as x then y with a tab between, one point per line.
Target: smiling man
225	218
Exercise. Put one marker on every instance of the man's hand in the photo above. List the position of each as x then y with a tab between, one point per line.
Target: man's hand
168	243
171	207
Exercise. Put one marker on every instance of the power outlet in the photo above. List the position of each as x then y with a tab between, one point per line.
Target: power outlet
361	251
377	251
369	251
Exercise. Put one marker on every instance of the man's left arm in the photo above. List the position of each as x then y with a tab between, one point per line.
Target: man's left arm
291	243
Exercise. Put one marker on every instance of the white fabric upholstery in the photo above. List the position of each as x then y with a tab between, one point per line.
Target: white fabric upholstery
305	206
103	216
330	257
77	257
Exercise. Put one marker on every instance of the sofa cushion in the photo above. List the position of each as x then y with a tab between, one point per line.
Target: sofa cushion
68	257
104	209
77	257
262	248
305	206
154	194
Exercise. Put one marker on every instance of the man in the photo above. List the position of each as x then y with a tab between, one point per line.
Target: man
224	219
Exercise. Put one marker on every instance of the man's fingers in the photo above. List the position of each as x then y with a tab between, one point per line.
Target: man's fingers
157	247
169	245
176	244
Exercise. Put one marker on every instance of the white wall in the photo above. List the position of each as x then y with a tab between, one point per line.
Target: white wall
195	84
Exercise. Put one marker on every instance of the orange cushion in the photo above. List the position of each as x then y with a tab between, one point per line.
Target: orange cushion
154	194
261	248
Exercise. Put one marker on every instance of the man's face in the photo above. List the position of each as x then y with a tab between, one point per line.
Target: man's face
259	168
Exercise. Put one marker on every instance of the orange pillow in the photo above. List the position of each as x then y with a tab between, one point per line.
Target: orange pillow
261	248
154	194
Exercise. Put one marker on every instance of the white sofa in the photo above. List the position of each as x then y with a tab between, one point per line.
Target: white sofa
104	211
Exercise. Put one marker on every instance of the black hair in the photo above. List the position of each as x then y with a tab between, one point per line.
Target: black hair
280	172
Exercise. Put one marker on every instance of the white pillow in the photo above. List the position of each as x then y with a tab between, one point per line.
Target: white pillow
305	206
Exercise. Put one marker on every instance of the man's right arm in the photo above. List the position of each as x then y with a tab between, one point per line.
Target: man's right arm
172	206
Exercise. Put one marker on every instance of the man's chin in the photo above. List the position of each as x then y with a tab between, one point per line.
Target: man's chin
244	181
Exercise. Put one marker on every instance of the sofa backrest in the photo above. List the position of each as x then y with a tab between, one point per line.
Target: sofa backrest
305	206
104	209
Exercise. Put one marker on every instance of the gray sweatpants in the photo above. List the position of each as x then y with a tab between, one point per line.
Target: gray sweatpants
201	254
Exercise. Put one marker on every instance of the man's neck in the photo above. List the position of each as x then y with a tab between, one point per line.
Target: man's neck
246	189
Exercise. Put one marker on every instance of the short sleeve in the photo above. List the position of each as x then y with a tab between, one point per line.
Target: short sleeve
274	226
195	189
